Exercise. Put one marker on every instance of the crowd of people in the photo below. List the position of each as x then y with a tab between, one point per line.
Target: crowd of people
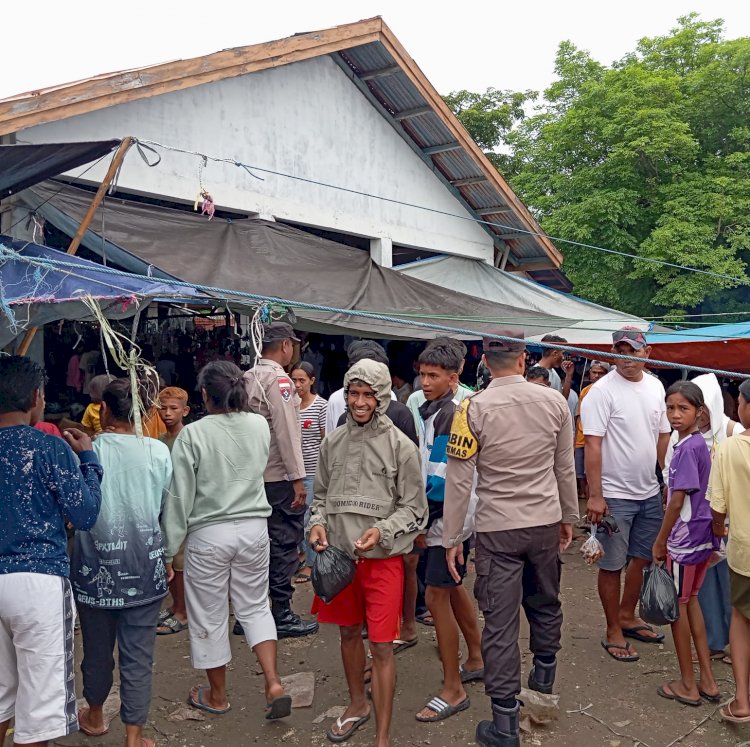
231	511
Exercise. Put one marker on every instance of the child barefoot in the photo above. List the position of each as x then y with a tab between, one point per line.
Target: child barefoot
686	542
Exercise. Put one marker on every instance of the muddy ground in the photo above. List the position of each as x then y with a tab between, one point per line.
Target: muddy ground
622	696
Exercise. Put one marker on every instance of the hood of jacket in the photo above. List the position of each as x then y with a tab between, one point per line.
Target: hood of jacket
375	375
712	395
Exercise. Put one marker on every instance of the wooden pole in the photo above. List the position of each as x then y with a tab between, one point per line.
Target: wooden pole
114	165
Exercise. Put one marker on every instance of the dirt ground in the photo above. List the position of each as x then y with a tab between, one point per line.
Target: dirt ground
622	696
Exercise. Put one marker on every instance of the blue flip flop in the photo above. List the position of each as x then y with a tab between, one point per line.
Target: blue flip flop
200	705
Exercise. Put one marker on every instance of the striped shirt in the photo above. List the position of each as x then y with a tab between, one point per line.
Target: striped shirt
312	420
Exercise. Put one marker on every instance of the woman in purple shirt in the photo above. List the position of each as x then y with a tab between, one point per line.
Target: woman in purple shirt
687	543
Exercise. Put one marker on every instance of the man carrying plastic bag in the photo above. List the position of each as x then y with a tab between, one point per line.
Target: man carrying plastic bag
369	502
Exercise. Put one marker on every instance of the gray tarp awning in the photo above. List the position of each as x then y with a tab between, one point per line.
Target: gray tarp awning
273	259
593	324
24	165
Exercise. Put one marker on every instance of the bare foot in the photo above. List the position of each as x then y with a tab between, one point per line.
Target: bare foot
709	688
274	690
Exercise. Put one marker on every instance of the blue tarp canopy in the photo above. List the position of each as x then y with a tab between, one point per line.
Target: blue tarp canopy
740	331
33	291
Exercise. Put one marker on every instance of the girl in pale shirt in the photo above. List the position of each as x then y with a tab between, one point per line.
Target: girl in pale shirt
217	498
728	490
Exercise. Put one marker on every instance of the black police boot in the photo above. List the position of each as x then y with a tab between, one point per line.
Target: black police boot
502	731
238	629
542	676
289	624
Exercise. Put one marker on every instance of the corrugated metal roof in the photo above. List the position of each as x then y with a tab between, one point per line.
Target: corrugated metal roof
376	67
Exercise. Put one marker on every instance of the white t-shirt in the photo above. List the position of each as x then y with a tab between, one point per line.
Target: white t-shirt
629	415
336	408
554	380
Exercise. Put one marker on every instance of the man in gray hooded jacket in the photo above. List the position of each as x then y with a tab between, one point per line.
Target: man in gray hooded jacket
369	502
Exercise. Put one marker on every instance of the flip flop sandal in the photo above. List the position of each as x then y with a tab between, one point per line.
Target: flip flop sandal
172	625
301	578
635	634
471	675
400	645
279	707
200	705
89	732
426	619
710	698
630	657
165	613
674	696
443	710
355	721
726	714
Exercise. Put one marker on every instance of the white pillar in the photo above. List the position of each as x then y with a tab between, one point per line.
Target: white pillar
381	252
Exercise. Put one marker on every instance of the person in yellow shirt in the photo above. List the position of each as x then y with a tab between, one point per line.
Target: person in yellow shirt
90	420
728	489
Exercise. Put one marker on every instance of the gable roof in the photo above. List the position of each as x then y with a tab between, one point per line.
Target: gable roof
376	62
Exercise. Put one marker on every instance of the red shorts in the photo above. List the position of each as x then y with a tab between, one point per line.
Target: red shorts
688	579
375	596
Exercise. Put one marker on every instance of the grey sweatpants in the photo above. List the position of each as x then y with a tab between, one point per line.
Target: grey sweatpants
517	567
134	631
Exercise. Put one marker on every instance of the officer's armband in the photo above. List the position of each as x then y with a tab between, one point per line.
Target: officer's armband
462	443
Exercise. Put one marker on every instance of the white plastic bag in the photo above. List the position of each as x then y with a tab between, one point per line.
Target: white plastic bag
592	549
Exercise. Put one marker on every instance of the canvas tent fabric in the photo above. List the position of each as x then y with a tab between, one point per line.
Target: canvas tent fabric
32	295
24	165
273	259
591	323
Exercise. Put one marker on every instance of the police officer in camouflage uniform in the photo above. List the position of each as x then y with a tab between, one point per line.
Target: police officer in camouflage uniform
272	395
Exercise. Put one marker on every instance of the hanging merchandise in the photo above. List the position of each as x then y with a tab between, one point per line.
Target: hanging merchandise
204	200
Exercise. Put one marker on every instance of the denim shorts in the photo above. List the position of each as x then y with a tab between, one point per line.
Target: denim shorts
580	452
639	523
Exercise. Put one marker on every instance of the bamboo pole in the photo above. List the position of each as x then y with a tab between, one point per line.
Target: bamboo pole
114	165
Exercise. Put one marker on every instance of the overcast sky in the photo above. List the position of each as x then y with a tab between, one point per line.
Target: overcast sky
458	45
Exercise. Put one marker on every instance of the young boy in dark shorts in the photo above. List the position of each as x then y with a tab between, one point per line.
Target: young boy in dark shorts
370	503
448	601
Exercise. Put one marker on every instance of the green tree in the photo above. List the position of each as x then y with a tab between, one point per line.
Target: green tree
489	117
650	156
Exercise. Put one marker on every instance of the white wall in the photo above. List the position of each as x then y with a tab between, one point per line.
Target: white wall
305	119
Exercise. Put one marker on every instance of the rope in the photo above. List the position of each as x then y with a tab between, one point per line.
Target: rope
278	301
250	168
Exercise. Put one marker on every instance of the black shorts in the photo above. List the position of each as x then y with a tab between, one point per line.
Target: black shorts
436	567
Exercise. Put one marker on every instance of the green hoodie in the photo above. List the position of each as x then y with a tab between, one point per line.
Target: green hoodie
370	476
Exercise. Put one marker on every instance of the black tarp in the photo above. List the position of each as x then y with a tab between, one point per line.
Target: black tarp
273	259
23	166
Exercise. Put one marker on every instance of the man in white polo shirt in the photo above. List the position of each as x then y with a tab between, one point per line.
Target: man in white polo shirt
626	429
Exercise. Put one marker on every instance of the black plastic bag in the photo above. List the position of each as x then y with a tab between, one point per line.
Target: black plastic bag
333	570
659	602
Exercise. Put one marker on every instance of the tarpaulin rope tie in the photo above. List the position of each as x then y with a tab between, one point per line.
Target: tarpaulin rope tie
278	301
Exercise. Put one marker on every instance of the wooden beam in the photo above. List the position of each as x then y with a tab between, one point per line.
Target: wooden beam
433	149
114	165
383	72
496	210
533	265
409	113
504	260
61	102
506	236
469	180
